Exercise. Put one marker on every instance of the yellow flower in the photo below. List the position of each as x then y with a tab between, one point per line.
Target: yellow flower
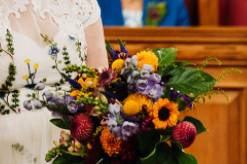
25	77
75	93
164	114
36	66
147	58
134	104
27	61
88	82
110	143
117	65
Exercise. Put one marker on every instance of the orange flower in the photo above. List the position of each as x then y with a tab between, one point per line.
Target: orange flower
110	143
147	58
75	93
164	114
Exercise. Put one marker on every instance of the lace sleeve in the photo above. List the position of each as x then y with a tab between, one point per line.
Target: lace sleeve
89	11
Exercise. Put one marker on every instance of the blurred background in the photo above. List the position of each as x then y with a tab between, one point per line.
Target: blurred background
139	13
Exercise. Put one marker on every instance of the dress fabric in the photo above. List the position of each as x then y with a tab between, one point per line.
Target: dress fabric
27	136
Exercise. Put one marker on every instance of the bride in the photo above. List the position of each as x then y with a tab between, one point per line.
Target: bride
27	135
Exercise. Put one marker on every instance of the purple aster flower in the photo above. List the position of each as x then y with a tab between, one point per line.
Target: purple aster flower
71	104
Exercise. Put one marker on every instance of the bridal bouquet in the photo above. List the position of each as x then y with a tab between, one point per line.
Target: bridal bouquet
129	113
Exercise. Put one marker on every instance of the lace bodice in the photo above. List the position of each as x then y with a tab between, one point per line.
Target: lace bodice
70	15
63	21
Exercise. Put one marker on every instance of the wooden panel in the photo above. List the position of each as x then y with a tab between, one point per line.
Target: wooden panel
209	12
226	120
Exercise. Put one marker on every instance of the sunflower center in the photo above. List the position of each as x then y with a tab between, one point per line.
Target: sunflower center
164	114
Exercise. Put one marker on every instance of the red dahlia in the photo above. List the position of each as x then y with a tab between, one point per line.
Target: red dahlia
184	133
82	127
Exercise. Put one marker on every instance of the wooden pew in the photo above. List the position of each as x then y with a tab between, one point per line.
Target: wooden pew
226	119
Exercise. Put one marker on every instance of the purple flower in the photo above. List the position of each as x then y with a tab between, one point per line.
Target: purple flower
71	104
151	86
129	129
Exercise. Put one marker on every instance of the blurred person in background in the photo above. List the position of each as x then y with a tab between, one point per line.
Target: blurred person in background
138	13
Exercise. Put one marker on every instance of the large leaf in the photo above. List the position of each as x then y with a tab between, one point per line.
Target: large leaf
147	142
60	123
191	81
199	126
167	57
68	159
162	154
184	158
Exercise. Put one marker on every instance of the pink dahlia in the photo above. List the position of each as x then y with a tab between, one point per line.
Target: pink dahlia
184	133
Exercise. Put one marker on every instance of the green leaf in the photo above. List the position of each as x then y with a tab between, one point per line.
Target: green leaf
180	156
167	57
199	126
147	142
191	81
162	154
184	158
68	159
60	123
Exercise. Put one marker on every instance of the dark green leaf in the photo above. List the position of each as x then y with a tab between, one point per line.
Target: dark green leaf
184	158
162	154
191	81
147	142
68	159
60	123
199	126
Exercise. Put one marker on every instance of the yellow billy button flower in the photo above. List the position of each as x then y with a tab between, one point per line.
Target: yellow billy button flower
147	58
27	61
36	66
164	113
117	65
25	77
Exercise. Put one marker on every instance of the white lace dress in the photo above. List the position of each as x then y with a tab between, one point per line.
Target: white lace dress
25	137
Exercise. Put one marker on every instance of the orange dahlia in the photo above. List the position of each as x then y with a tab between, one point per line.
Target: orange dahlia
147	58
164	113
111	144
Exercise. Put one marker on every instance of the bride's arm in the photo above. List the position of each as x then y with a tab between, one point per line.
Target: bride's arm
97	55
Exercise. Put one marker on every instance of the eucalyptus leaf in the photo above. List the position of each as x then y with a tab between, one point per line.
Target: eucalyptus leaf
191	81
198	124
60	123
184	158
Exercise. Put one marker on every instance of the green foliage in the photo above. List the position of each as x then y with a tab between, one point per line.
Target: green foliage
169	154
147	142
199	126
167	57
10	79
15	99
78	49
60	123
191	81
80	70
66	58
68	159
9	40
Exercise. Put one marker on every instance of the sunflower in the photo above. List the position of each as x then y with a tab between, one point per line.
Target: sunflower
110	143
164	114
117	65
147	58
134	104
